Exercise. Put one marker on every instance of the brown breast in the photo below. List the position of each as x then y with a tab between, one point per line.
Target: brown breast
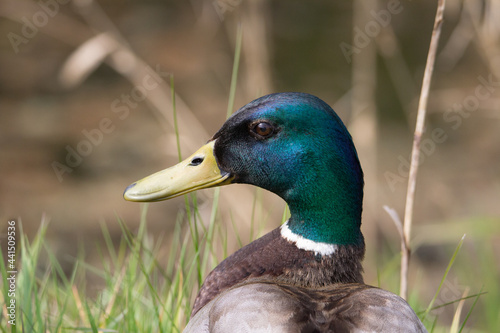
274	257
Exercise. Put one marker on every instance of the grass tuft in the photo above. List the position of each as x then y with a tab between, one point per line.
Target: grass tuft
145	285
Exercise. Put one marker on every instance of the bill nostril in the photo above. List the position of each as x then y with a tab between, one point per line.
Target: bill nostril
196	161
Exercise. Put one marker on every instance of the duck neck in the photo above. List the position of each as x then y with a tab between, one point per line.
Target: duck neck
330	214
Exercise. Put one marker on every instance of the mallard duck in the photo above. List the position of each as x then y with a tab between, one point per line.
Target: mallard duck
306	275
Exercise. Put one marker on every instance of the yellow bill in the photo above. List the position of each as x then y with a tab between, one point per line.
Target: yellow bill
198	171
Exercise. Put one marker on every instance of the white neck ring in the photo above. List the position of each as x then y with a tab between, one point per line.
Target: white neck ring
303	243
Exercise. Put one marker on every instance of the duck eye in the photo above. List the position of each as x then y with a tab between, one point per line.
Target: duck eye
263	129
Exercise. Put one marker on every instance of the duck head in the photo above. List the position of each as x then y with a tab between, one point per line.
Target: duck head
292	144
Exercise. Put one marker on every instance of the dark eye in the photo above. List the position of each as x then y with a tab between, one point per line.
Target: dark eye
263	129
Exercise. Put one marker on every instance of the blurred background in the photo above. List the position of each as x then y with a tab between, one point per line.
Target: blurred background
86	109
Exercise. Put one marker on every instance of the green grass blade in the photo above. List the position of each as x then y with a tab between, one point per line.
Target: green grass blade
176	125
90	317
238	238
63	308
452	260
286	214
470	310
455	301
209	242
234	75
109	243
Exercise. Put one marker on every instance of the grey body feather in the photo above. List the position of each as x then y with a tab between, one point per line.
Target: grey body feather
266	306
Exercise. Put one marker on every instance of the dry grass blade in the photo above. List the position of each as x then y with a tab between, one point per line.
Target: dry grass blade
456	318
415	155
397	221
79	304
116	289
86	58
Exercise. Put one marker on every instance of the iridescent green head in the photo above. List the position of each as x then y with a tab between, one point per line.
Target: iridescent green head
292	144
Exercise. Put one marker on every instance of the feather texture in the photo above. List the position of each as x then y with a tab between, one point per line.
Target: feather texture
274	257
266	306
